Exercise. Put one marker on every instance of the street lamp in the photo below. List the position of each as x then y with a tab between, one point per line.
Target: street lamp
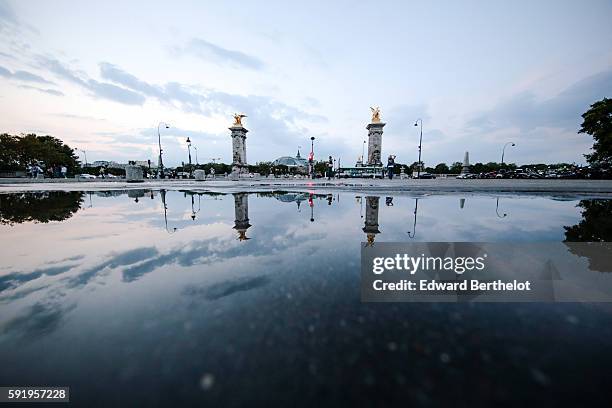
363	152
420	146
504	150
311	158
160	173
85	154
189	149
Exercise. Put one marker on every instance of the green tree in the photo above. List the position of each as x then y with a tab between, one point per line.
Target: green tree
598	123
17	152
456	168
442	168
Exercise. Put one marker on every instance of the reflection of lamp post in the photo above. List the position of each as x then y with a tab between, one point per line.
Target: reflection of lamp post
420	146
496	209
504	151
163	197
160	173
416	208
311	204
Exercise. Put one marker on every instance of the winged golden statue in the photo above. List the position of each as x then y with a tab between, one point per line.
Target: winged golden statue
375	114
238	119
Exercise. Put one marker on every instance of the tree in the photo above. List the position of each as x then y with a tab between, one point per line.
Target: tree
442	168
598	123
456	168
17	152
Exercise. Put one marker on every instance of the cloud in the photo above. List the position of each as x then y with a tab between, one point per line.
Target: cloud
23	76
562	111
210	52
114	74
44	90
98	89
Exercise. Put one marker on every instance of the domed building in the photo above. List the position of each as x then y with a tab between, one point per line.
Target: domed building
298	163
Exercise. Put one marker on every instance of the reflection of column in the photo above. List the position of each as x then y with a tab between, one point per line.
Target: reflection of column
461	203
241	210
371	219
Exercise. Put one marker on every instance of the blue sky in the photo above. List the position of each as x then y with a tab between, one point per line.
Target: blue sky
102	75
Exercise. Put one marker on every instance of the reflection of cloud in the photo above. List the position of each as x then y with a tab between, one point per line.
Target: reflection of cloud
43	90
40	319
123	259
227	288
13	280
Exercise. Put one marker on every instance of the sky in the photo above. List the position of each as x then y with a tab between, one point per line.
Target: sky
101	76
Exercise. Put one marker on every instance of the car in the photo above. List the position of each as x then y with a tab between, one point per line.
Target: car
427	176
85	176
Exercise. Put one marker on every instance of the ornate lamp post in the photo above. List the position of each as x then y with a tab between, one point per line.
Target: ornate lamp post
189	149
311	157
160	173
420	146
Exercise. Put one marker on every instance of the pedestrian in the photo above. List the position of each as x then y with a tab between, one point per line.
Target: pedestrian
390	166
64	170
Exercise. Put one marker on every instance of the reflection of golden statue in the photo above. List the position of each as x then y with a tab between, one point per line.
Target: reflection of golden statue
242	235
238	119
375	114
370	238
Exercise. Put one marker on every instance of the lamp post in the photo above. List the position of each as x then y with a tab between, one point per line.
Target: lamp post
311	158
85	154
420	146
160	173
504	151
362	151
196	151
189	149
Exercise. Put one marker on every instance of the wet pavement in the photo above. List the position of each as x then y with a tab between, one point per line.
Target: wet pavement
144	297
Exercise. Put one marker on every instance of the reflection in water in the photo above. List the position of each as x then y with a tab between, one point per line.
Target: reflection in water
371	221
497	209
39	207
241	209
414	224
120	296
595	226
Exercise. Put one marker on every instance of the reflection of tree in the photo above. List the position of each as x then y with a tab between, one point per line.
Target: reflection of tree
596	223
595	226
39	207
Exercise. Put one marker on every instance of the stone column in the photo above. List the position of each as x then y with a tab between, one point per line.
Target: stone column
371	219
241	210
466	163
239	160
375	131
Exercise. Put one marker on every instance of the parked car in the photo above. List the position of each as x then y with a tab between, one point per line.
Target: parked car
427	176
85	176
